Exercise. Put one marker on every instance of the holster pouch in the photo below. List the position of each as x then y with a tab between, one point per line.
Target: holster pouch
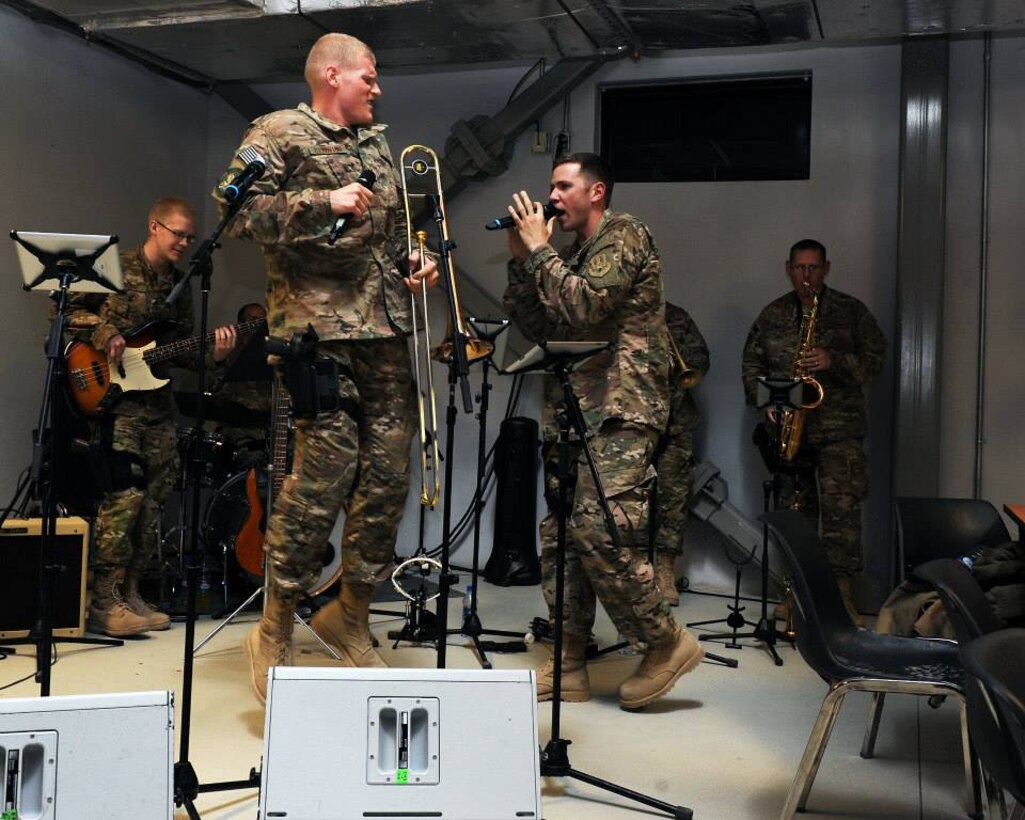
311	379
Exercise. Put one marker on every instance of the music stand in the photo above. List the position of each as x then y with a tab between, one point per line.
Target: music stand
558	359
74	261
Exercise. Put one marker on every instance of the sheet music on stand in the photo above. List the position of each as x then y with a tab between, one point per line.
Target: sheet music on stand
545	355
70	246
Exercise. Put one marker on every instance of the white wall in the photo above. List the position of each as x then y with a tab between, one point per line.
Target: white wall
89	141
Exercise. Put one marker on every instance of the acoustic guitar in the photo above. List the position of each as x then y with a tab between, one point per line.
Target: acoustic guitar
95	382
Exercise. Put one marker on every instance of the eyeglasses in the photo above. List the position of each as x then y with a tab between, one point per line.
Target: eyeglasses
181	236
807	268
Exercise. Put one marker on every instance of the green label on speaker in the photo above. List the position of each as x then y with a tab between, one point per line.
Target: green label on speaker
402	776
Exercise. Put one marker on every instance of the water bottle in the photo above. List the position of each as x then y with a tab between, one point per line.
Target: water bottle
467	601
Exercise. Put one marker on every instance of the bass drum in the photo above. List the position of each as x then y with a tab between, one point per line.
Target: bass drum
228	510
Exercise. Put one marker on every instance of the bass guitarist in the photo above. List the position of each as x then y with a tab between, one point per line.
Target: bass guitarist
141	425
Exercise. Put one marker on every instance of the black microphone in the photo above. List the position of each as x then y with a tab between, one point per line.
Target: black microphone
501	222
252	172
367	180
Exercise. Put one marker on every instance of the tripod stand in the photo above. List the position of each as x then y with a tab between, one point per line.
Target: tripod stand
778	394
472	626
68	267
555	755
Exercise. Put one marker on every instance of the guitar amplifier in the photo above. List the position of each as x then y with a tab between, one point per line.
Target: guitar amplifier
20	542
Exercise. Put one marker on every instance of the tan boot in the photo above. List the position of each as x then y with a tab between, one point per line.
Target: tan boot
666	569
663	665
109	613
269	643
344	624
848	601
155	620
576	685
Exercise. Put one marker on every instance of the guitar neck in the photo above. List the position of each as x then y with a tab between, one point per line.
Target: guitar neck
279	439
163	353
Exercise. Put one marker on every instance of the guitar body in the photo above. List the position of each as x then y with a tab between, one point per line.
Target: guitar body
249	541
95	384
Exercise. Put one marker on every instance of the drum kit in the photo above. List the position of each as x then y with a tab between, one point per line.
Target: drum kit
236	478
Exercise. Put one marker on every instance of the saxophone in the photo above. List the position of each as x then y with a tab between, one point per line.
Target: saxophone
791	425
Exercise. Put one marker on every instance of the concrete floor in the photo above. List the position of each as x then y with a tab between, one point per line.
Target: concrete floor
725	743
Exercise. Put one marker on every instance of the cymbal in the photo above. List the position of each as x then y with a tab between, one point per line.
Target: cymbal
225	412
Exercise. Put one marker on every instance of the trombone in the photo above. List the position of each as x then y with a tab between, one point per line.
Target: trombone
427	403
422	171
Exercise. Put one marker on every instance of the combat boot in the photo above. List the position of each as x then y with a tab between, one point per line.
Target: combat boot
848	601
576	686
666	578
344	624
109	613
663	664
269	643
155	620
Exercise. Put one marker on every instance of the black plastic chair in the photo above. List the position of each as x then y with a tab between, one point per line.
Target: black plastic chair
968	609
995	667
930	528
851	659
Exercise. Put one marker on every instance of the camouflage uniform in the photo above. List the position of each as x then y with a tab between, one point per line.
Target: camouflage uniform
609	288
144	436
835	431
674	458
353	295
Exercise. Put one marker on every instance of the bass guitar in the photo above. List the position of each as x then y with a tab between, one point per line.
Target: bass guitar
95	382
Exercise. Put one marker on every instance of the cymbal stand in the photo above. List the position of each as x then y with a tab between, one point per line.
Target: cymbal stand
555	755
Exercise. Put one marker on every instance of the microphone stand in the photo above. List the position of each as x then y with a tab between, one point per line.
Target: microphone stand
472	627
186	783
555	755
458	371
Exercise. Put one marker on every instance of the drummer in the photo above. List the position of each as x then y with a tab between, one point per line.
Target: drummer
241	401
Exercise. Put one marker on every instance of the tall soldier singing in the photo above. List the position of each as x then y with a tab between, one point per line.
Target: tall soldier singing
352	294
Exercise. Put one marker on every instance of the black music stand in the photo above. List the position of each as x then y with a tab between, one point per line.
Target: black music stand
558	358
487	330
778	393
70	259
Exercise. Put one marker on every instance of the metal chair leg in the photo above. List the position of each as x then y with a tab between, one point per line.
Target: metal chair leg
812	757
973	771
875	712
995	798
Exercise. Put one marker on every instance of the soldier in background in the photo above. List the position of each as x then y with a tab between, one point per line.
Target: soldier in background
143	425
674	455
847	357
607	285
241	401
355	294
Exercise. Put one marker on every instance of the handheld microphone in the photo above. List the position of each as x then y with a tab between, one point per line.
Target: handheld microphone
501	222
367	180
254	169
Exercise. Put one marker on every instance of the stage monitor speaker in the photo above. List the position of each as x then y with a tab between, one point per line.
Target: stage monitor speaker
513	560
348	743
20	542
84	756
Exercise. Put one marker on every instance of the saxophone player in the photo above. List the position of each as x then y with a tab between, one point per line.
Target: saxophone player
845	357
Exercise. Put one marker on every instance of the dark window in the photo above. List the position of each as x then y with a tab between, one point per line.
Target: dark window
721	129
